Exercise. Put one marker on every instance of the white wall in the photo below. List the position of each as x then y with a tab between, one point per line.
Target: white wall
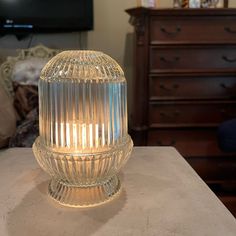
113	34
111	25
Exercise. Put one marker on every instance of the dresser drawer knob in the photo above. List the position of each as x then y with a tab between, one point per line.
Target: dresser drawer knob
174	86
231	60
229	30
162	86
170	115
163	114
175	59
171	143
177	30
176	113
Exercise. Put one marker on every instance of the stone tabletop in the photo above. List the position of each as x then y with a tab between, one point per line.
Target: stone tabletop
161	196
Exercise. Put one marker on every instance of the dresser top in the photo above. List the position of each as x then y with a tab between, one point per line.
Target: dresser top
138	11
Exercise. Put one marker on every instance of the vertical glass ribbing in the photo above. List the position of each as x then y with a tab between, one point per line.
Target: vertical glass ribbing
83	140
82	116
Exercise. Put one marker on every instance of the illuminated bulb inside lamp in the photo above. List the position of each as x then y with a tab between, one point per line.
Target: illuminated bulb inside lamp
81	137
83	140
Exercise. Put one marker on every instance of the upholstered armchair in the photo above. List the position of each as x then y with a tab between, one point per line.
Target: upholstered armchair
19	77
25	67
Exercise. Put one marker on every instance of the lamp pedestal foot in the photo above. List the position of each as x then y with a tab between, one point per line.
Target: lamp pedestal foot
84	196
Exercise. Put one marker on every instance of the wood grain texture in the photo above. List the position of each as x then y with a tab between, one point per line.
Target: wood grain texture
186	85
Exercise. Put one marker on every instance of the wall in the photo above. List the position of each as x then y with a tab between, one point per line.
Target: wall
112	27
114	35
9	43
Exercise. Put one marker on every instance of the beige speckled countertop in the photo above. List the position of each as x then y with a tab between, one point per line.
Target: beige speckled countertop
162	195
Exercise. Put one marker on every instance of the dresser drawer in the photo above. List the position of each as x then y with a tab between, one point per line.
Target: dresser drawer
185	84
190	112
216	169
192	30
189	142
190	87
194	58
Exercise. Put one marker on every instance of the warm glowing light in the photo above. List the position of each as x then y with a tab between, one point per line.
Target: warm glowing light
83	137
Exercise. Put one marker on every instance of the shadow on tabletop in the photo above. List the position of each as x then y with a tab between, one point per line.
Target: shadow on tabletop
39	215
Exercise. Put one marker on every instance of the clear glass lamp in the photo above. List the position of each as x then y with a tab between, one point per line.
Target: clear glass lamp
83	140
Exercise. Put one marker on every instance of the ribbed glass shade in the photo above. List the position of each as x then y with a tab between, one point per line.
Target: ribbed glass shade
83	139
86	106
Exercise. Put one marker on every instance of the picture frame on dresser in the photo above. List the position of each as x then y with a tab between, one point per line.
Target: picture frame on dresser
218	3
200	3
215	3
226	3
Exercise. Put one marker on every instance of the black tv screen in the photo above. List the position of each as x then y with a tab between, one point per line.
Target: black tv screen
45	15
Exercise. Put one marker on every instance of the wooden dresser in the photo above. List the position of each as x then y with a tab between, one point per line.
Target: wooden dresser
185	86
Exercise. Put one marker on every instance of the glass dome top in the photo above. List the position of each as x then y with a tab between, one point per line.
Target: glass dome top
82	66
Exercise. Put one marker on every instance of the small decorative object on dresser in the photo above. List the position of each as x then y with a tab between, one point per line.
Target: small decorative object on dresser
209	3
194	3
185	3
226	3
214	3
200	3
220	4
177	3
146	3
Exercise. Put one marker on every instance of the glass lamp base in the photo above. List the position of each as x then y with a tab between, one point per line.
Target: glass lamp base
88	196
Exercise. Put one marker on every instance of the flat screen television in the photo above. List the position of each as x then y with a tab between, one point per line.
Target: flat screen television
27	16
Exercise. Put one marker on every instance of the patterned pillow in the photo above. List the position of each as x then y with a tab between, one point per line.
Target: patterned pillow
26	105
25	99
27	131
28	71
